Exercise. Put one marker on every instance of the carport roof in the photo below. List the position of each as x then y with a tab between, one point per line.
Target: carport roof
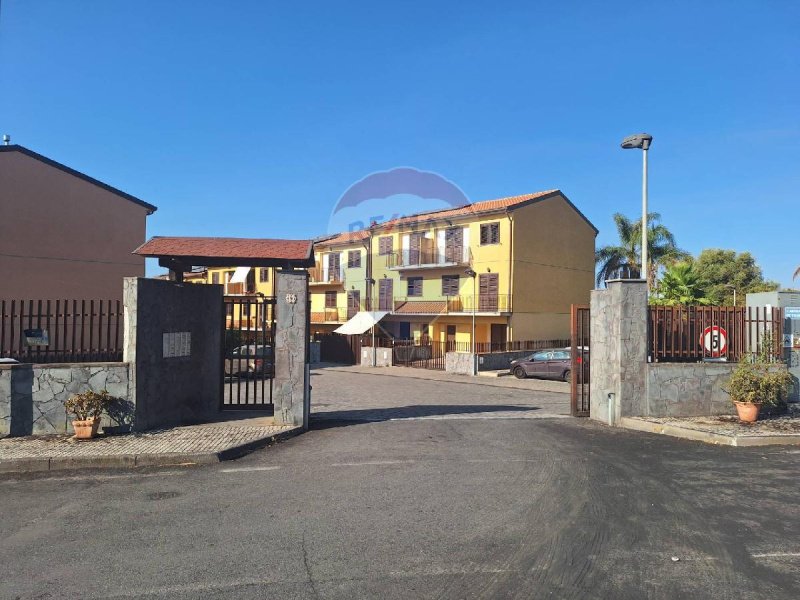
229	252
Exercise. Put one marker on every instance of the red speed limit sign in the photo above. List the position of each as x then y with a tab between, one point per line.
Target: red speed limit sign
715	340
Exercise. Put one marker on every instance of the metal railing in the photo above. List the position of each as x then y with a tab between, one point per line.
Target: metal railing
408	258
318	274
697	333
481	303
47	331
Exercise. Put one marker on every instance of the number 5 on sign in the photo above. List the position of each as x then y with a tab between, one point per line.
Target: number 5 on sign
715	340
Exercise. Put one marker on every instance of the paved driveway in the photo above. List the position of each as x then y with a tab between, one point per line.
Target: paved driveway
355	393
444	507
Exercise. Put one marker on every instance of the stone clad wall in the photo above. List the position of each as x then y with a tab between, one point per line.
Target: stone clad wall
460	363
689	389
32	396
383	357
291	387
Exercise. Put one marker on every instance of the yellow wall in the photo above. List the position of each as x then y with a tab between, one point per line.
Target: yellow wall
264	287
355	278
553	268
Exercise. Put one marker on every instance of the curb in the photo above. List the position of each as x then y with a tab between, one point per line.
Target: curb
106	461
708	437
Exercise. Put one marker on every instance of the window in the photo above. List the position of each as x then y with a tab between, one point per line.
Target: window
354	259
450	285
490	233
228	276
330	299
263	275
385	245
414	286
215	278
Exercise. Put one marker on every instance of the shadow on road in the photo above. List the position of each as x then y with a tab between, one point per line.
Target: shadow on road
342	418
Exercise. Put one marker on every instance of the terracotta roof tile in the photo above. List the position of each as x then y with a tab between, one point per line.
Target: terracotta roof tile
420	307
470	209
345	238
226	248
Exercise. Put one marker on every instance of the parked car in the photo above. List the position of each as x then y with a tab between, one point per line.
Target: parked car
555	363
250	360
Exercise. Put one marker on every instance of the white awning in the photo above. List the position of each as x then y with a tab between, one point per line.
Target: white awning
240	275
361	323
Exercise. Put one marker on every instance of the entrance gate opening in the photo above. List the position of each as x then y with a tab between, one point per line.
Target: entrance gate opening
580	342
248	357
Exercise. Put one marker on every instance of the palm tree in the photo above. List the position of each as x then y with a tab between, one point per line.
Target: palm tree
624	260
681	286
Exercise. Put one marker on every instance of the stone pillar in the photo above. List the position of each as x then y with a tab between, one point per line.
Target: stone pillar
618	368
291	393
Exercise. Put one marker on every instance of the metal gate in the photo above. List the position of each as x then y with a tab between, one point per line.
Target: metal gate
338	348
248	353
580	387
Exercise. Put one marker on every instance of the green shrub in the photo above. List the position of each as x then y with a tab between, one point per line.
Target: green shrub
88	404
755	381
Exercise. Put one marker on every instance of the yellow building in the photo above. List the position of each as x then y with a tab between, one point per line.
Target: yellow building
514	264
243	281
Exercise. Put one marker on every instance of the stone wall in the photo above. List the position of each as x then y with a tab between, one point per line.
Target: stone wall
383	357
173	382
461	363
32	396
688	389
619	350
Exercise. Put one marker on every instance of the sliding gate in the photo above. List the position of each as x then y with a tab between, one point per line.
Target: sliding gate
580	389
248	357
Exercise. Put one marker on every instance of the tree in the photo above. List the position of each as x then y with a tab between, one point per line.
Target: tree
680	286
722	271
624	259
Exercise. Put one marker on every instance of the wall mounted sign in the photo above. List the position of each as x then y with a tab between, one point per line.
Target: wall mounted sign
291	298
177	344
36	337
791	312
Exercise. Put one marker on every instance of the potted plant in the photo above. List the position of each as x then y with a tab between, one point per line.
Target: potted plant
756	383
87	408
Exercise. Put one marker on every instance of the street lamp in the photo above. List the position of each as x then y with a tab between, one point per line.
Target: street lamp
473	274
643	141
733	287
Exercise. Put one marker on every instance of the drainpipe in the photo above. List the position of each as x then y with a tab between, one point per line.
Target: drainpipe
370	291
510	273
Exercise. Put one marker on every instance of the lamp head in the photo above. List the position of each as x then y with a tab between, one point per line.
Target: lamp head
638	140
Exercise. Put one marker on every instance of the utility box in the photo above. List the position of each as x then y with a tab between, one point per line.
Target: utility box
790	303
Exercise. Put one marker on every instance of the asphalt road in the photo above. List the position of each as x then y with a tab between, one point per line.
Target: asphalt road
423	506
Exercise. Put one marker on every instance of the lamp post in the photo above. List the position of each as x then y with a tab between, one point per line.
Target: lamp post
473	274
643	141
733	287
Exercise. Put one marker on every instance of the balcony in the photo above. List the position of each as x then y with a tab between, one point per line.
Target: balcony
319	277
339	314
451	305
427	258
240	289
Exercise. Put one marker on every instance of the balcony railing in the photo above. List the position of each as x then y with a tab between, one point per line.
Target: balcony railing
429	258
239	289
319	276
482	303
339	314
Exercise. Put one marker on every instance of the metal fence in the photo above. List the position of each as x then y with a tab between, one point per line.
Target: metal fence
725	333
48	331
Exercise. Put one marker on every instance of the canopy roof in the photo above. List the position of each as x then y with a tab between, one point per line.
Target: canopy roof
361	322
185	252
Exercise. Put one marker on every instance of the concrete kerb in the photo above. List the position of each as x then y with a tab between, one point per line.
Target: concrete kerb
110	461
708	437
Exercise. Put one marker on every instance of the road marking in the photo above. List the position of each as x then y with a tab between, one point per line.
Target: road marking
374	462
777	555
248	469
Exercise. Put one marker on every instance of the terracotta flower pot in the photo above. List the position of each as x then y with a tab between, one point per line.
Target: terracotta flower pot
748	411
86	430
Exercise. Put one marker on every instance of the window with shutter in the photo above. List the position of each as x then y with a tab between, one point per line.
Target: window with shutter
450	285
385	245
385	294
330	299
264	275
215	278
354	259
490	233
414	286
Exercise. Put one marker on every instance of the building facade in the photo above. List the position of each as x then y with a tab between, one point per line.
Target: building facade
63	234
514	265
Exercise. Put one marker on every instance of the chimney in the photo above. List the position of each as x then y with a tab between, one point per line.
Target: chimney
6	139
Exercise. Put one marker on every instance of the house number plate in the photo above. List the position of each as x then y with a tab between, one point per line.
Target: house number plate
291	298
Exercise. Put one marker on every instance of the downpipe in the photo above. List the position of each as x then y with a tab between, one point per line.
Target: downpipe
612	406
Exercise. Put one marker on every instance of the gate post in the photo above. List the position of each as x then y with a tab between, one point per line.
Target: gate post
618	368
291	393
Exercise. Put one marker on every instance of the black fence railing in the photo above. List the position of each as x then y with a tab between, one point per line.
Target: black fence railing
49	331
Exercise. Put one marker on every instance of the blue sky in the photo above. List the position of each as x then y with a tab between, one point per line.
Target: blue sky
252	118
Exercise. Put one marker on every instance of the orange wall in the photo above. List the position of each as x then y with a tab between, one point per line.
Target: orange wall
63	237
